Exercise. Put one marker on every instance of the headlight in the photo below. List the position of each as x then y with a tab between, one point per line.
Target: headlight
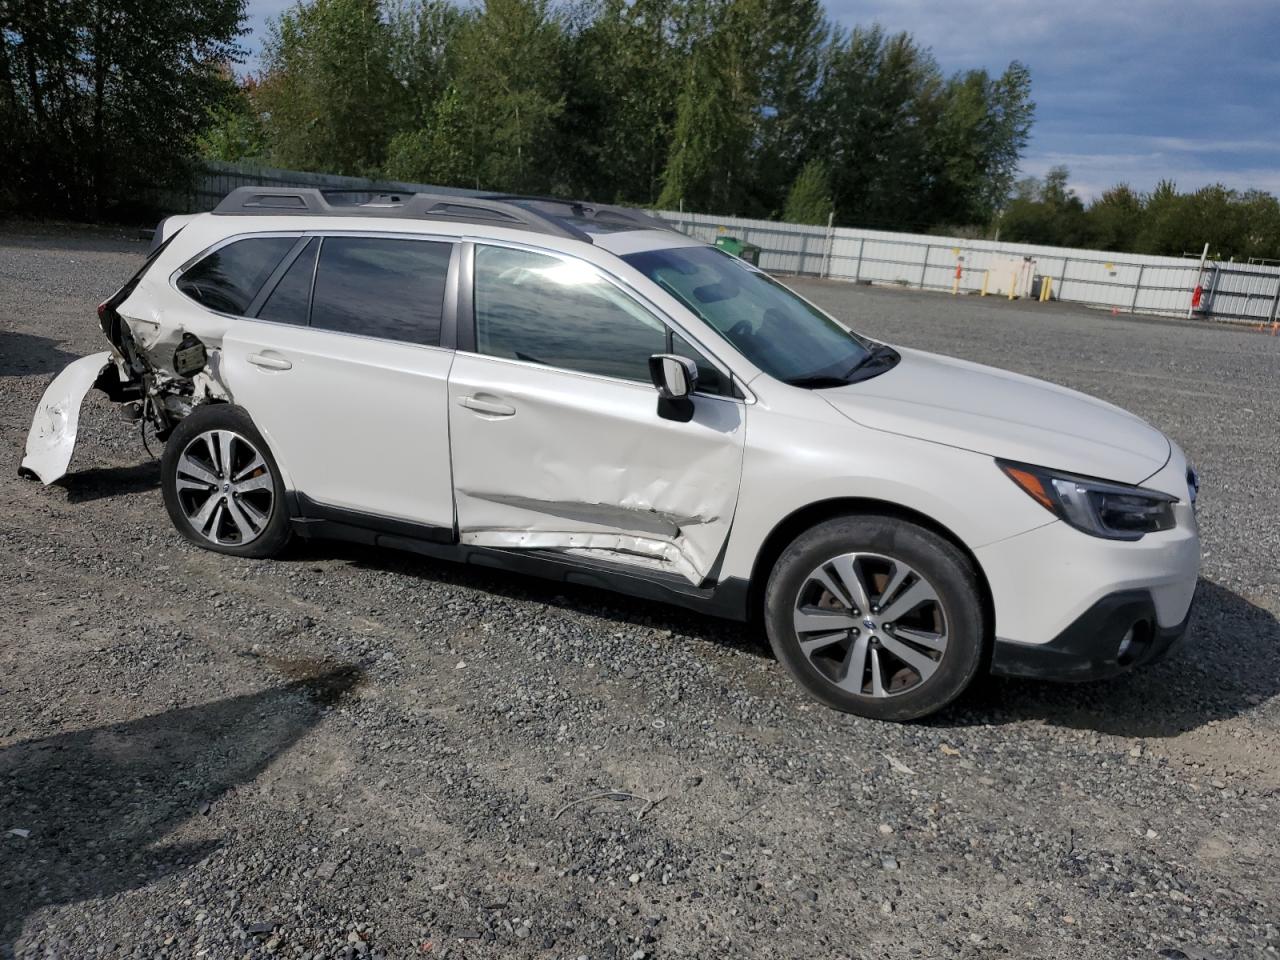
1115	511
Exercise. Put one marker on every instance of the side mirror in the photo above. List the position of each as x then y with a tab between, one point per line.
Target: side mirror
675	377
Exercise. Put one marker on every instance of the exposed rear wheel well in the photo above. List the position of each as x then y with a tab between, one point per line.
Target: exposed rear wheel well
804	518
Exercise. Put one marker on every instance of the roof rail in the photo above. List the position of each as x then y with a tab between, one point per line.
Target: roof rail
315	201
586	210
550	215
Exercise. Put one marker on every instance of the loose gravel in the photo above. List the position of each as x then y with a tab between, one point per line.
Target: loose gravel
358	753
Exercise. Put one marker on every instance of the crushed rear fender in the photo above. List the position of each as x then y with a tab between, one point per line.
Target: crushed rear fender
53	429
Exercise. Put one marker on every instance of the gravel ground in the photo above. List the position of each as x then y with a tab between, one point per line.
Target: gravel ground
352	753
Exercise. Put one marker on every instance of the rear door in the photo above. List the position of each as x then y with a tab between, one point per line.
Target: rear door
557	440
342	368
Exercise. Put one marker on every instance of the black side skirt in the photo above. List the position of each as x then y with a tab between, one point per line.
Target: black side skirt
726	598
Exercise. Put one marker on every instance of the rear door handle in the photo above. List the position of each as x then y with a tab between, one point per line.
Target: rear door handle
494	408
269	362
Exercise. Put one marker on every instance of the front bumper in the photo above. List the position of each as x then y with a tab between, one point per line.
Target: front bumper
1119	632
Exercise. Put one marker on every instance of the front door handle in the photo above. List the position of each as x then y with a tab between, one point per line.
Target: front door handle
269	362
486	405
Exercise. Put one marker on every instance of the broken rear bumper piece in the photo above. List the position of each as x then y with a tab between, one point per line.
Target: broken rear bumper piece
57	419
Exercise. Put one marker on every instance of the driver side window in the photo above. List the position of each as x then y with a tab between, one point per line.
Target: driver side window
561	313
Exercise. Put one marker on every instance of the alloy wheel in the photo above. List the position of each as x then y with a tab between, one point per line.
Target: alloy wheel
225	487
870	624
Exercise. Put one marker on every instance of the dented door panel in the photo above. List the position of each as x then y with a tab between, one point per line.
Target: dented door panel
52	437
586	466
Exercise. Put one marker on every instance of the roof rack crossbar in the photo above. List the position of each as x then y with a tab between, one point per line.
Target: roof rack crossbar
314	201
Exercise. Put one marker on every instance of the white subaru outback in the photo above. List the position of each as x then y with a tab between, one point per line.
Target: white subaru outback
579	392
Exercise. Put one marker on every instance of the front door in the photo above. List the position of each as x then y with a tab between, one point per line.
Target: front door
556	437
346	379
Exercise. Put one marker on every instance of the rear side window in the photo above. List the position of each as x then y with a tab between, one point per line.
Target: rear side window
381	287
228	279
290	300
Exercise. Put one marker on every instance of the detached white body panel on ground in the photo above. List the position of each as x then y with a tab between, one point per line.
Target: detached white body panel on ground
52	438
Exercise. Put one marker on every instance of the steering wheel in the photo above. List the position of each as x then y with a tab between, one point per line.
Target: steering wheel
742	329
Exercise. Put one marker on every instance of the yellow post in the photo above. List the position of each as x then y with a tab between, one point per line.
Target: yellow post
1013	284
986	277
1047	289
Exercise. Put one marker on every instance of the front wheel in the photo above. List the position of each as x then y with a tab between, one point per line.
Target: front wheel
876	616
221	485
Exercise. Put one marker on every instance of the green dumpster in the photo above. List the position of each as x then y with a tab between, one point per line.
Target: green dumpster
747	251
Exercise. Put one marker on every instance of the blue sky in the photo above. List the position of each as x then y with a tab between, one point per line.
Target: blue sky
1127	90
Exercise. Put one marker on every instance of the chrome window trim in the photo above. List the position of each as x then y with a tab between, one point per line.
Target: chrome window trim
627	290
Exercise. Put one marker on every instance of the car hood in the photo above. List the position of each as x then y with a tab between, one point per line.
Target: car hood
1002	414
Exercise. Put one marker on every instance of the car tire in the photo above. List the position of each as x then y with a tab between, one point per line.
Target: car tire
877	616
221	484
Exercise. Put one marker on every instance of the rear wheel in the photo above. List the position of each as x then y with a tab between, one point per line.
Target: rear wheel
876	616
221	485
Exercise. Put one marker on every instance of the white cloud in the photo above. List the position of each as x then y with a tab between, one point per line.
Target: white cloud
1093	173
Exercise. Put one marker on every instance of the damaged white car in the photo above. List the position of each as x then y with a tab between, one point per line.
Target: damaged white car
580	392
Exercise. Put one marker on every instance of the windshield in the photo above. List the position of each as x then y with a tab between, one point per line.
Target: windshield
768	324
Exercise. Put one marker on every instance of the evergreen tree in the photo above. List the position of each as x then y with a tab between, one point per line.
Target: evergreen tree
798	43
708	166
620	104
877	103
809	200
328	87
507	94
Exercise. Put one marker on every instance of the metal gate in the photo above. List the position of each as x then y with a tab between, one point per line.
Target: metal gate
1236	293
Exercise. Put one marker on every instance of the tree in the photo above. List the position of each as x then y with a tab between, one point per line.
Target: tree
708	164
876	103
809	200
421	35
980	129
797	42
505	97
328	87
1046	212
102	100
620	106
1261	219
234	131
438	153
1115	219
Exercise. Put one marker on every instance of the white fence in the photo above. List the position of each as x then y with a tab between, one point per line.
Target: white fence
1130	282
1125	281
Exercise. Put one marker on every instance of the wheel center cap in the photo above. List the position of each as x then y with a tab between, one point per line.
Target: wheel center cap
226	487
869	624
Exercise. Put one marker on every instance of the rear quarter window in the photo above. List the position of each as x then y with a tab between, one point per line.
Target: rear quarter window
230	277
